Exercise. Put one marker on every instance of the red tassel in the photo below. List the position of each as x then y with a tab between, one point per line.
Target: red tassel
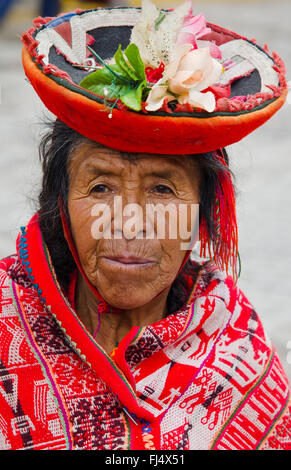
223	250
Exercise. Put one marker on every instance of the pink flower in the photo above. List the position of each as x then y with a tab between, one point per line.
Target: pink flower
215	51
193	28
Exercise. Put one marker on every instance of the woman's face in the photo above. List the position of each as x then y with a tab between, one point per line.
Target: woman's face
139	257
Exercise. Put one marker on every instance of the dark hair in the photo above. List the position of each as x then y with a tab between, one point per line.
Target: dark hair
55	149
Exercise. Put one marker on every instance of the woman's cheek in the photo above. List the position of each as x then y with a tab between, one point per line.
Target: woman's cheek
172	256
81	220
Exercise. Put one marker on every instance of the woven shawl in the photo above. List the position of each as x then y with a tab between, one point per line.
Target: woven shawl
204	377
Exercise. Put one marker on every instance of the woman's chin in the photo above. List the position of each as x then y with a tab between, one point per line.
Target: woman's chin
124	303
126	287
127	298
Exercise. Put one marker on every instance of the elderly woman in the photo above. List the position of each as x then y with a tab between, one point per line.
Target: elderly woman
114	338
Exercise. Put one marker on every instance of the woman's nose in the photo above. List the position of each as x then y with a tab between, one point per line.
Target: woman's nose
130	221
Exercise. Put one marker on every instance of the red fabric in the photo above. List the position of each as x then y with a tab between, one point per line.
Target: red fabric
205	377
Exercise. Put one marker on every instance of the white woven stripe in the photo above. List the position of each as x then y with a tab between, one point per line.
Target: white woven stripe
80	25
256	59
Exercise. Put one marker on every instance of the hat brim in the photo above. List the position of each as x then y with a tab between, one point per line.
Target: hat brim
158	133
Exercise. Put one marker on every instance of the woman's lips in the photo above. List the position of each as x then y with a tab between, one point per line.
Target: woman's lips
129	262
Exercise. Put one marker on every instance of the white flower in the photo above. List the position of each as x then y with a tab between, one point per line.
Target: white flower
189	72
156	44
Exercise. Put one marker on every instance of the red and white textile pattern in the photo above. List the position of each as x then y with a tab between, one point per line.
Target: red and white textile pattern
205	377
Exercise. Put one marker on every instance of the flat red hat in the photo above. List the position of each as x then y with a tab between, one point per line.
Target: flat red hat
73	60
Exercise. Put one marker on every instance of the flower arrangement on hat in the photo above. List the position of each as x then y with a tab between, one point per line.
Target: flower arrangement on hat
164	62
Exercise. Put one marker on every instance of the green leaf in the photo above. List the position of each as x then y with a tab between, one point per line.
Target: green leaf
110	68
102	80
133	55
123	80
132	99
104	75
113	91
121	62
97	77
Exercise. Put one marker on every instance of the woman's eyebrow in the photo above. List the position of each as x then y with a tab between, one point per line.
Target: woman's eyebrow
99	169
163	173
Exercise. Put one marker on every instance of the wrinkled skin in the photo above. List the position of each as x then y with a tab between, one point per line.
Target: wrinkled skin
96	175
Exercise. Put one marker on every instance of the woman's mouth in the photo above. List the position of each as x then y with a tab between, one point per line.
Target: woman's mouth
128	262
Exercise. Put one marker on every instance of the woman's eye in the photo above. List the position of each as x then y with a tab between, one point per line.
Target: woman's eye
161	188
99	188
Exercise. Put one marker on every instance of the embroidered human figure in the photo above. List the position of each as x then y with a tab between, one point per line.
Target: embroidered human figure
219	407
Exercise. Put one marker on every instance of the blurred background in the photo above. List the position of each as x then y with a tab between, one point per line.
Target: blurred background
261	162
